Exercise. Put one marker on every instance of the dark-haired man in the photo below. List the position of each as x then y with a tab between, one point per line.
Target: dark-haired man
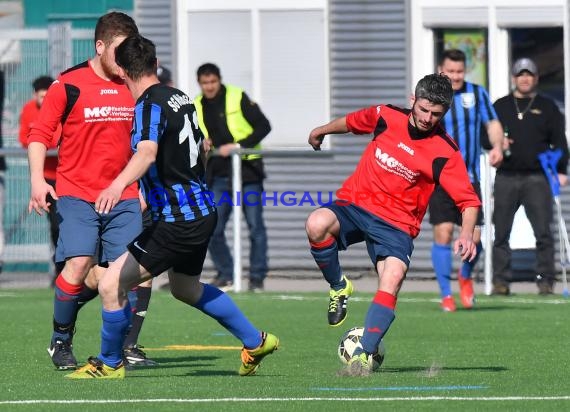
95	109
168	159
229	120
471	110
384	200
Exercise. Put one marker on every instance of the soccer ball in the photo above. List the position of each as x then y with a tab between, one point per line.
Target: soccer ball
351	340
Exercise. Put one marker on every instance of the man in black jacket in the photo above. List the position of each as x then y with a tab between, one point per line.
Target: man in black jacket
229	120
533	124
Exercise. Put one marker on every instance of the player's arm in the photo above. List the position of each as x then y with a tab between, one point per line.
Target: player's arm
497	140
455	181
333	127
139	163
39	187
494	128
464	244
39	139
359	122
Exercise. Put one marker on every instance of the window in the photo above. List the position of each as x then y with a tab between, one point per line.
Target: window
473	42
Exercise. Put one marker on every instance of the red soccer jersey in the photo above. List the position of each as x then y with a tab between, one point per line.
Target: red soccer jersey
96	116
28	116
400	167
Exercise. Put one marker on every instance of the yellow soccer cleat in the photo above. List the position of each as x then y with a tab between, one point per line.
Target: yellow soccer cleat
251	358
96	369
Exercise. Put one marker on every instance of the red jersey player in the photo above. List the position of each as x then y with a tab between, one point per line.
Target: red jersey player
95	110
384	201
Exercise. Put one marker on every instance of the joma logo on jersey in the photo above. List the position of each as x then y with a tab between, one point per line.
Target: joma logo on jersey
97	112
406	148
109	91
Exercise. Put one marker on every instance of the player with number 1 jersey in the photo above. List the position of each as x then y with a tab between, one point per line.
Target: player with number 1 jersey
167	116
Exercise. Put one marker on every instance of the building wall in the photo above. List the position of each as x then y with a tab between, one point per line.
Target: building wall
82	14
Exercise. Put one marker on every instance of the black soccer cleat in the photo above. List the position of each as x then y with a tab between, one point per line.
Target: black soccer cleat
338	300
135	356
61	354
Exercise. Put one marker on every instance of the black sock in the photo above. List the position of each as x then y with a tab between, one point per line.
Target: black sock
85	296
139	313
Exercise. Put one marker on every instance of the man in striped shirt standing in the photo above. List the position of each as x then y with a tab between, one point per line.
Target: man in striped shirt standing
471	109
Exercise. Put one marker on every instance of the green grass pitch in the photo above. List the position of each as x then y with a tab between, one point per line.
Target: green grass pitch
511	353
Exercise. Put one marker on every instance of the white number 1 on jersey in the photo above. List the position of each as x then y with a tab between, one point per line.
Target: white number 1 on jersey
186	133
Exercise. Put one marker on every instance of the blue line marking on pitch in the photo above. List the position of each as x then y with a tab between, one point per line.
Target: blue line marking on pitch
406	388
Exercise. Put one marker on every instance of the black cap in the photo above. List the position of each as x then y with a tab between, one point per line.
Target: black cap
164	75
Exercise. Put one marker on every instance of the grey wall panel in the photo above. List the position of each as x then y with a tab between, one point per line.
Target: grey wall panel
155	19
368	54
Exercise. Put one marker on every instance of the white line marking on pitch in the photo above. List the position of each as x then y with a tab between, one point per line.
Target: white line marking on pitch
537	301
347	399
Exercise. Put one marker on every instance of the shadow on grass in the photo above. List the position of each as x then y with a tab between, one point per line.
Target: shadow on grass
180	362
415	369
212	372
496	307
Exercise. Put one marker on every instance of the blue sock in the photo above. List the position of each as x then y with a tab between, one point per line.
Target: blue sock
379	317
325	254
467	267
221	307
65	307
115	325
441	259
133	296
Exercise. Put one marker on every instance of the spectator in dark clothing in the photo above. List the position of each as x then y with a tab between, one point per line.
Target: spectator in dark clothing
533	124
230	120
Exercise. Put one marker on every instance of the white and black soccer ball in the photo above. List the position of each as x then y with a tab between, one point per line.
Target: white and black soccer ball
351	340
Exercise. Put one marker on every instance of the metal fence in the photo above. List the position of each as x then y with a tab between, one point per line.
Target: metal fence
25	55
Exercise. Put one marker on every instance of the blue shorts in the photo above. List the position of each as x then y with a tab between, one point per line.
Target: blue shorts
382	239
85	232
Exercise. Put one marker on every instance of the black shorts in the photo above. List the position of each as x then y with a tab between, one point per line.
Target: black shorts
442	208
181	246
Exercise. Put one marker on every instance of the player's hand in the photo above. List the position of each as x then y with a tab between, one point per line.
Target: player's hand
466	249
563	179
38	199
108	199
316	139
496	156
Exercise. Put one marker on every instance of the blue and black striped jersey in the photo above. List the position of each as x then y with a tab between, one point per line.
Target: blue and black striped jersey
174	186
471	109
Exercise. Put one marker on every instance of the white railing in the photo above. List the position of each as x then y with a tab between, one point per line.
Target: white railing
487	192
237	204
487	180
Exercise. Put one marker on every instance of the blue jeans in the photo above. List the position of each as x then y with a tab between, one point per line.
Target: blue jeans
253	210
